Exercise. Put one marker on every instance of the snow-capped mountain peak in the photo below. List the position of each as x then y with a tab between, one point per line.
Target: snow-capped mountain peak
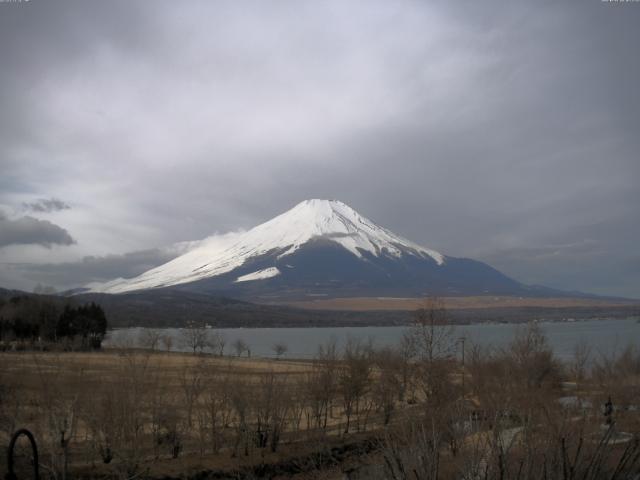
283	235
336	221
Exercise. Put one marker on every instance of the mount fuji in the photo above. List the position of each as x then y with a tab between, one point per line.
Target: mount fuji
319	248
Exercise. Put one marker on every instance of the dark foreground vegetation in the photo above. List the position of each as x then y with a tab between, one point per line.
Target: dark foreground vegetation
46	322
414	412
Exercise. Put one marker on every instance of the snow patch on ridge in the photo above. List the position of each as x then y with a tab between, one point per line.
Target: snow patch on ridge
259	275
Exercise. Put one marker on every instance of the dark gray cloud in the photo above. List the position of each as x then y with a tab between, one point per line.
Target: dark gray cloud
94	268
32	231
503	131
44	205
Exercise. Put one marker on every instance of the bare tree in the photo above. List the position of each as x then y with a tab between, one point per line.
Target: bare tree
279	349
580	361
270	410
432	339
195	337
10	406
240	347
299	403
192	383
240	399
167	342
217	342
150	338
533	357
389	382
322	385
134	380
61	409
617	377
432	335
216	414
354	378
412	452
405	368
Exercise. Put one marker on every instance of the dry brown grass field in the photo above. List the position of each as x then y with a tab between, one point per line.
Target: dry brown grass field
149	410
452	303
360	413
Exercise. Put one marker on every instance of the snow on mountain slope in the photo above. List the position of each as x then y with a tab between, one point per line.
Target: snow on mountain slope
327	219
259	275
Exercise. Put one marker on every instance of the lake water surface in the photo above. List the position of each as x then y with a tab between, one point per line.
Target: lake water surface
604	336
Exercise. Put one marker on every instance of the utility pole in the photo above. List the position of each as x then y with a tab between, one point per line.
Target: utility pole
462	339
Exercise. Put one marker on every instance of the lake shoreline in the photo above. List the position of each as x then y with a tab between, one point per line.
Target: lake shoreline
603	335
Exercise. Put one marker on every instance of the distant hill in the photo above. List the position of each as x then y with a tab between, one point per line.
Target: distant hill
173	308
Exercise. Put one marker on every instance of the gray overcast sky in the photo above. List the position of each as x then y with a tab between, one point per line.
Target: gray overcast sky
502	131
